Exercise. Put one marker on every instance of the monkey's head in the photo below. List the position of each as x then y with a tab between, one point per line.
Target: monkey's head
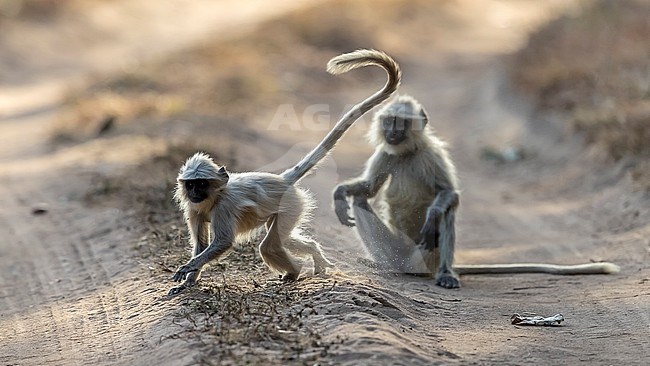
398	126
199	179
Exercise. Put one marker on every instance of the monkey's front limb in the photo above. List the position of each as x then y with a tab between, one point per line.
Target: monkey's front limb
446	277
359	188
199	234
366	186
438	232
200	239
191	277
445	201
216	249
341	205
189	271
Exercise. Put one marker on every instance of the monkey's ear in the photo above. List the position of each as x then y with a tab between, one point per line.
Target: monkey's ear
223	172
425	118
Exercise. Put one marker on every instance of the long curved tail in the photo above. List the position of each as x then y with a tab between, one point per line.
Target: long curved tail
338	65
577	269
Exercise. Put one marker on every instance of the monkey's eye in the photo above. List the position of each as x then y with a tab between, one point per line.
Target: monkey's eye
189	184
386	123
202	184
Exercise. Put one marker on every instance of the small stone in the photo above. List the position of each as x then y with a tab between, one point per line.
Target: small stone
40	209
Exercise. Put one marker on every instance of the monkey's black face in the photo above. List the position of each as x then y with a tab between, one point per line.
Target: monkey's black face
395	129
197	189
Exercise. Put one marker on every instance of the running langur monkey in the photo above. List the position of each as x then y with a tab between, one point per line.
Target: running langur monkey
233	205
418	204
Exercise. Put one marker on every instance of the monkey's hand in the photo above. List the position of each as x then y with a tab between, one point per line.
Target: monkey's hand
342	207
430	233
183	271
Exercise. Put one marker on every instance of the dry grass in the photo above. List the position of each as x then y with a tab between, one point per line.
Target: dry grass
596	67
253	319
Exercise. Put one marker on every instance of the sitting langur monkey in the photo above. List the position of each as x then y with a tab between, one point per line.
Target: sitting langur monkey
233	205
418	204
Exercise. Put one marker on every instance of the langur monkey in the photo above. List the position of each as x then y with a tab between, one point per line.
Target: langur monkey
233	205
418	204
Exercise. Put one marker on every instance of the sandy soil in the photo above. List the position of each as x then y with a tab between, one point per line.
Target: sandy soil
74	290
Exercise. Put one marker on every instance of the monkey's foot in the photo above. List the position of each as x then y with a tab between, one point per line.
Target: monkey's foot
447	280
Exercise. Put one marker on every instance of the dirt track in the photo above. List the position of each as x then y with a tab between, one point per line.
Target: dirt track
71	291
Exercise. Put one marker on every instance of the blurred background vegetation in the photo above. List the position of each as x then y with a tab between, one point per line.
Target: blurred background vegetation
595	67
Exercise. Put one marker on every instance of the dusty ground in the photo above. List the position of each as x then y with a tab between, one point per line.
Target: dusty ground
84	282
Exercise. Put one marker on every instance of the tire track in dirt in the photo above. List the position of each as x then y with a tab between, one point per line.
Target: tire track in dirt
80	301
61	277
